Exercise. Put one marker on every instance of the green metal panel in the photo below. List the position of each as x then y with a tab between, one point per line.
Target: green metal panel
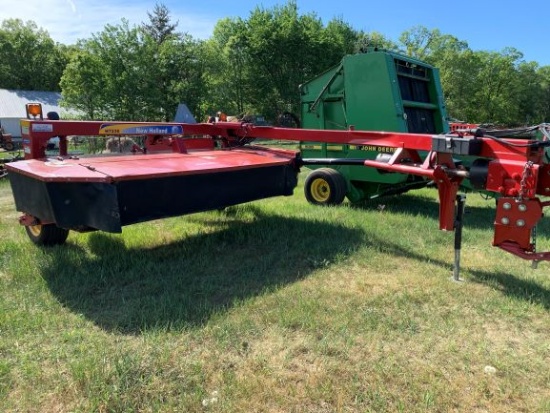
377	90
372	97
374	91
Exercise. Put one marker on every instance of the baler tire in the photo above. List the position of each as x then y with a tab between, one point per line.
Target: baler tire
47	234
325	186
288	120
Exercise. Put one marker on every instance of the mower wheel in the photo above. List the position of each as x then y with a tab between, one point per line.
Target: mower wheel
9	146
325	186
48	234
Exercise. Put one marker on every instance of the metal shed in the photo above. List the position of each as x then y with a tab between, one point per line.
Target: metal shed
12	106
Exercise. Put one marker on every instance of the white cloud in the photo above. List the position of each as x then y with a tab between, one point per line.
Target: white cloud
73	5
69	20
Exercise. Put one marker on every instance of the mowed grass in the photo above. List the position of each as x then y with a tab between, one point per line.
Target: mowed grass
274	306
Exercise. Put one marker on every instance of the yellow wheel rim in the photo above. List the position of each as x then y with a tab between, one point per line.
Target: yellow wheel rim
320	190
35	230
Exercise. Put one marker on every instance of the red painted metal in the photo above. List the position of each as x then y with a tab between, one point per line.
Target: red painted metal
40	132
516	170
132	167
515	220
463	126
28	220
434	167
515	249
543	187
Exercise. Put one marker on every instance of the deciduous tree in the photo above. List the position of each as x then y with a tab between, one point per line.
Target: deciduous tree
29	58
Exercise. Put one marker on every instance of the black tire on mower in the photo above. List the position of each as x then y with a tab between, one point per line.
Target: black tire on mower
9	146
325	186
48	234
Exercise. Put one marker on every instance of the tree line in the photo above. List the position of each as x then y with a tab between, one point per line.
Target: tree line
253	65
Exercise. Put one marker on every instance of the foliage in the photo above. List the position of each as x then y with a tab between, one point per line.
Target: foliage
373	40
482	86
118	70
226	73
271	53
159	27
254	65
544	105
29	58
82	84
124	72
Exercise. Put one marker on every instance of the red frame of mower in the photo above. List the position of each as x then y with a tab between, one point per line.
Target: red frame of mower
516	168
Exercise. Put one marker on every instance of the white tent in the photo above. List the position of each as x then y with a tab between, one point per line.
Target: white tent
184	115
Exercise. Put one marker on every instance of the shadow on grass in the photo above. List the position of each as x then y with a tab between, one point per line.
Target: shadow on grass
183	284
508	284
512	286
475	217
417	205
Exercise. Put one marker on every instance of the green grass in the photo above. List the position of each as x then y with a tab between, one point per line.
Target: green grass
274	306
9	155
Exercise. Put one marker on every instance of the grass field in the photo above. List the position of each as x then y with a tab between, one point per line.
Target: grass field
274	306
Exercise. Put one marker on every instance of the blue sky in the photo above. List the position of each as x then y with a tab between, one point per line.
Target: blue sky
485	24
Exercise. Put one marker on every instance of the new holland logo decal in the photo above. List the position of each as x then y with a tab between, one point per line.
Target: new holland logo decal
139	129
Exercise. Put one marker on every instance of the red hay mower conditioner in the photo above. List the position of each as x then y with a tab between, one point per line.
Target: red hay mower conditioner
186	168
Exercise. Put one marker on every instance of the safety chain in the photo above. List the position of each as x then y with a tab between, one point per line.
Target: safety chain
243	140
527	173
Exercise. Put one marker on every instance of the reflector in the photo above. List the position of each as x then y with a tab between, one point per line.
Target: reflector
34	109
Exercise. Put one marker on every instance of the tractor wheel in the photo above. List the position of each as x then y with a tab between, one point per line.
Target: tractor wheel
325	186
48	234
288	120
9	146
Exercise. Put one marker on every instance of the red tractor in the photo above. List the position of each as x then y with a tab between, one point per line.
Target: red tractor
6	140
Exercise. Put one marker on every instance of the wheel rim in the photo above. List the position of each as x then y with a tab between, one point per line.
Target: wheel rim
35	230
320	190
